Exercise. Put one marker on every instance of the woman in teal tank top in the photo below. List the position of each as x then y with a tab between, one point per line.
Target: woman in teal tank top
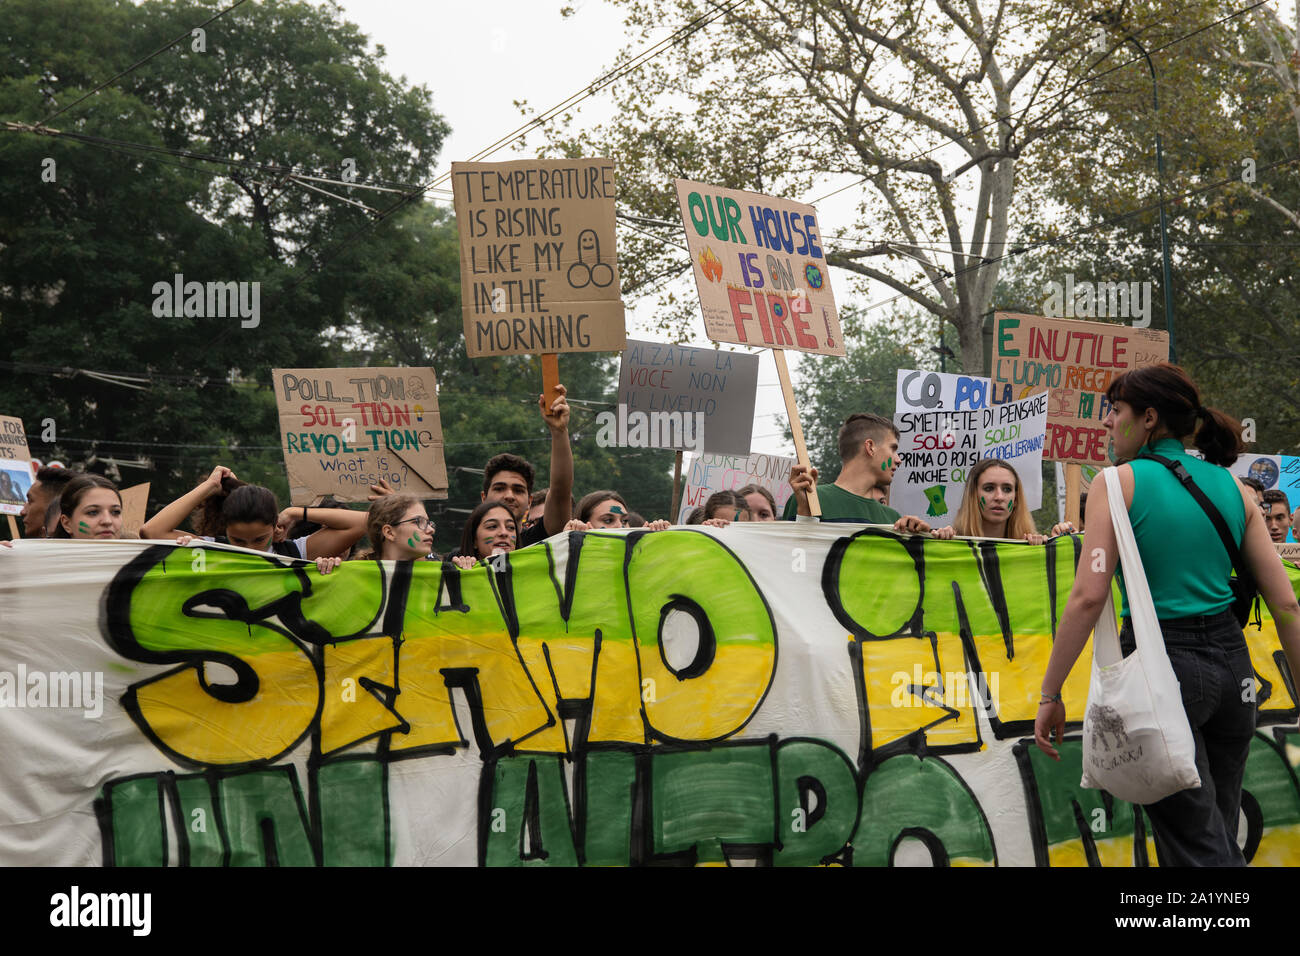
1153	410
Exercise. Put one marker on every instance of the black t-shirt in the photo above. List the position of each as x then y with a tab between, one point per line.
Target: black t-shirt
533	533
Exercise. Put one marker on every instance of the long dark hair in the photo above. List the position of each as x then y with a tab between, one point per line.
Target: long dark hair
74	491
239	502
1172	393
468	542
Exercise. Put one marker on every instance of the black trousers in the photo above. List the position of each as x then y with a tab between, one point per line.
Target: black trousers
1199	827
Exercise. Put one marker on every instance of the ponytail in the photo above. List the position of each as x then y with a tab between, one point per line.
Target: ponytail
1177	401
1219	437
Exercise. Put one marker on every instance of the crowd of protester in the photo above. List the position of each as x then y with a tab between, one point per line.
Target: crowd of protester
512	514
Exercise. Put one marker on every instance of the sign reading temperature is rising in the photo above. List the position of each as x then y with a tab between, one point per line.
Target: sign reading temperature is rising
760	268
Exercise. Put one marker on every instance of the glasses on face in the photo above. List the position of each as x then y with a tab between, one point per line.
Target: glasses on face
422	522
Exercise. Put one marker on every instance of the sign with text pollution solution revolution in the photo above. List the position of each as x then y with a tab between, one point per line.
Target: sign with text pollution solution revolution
345	429
946	425
537	256
760	268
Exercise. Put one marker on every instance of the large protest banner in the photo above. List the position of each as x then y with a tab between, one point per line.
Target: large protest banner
946	424
709	389
345	429
760	269
1076	361
538	267
708	473
780	693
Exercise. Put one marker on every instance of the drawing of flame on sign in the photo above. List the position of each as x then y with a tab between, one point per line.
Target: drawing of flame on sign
710	265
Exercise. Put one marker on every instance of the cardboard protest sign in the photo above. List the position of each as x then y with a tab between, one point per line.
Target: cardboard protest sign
538	263
1266	469
135	501
1289	552
946	424
344	429
897	679
1076	361
709	387
708	473
760	268
13	439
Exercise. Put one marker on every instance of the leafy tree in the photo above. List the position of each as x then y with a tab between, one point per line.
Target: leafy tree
932	107
280	84
1229	135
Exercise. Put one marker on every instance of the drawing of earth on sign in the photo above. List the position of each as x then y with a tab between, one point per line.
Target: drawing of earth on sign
589	270
1265	472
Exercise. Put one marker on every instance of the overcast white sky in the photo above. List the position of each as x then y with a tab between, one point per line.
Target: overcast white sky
478	58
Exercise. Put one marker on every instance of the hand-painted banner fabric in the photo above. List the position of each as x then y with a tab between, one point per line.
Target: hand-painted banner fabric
788	694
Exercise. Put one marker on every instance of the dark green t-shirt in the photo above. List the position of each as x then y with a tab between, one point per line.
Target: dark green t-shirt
840	505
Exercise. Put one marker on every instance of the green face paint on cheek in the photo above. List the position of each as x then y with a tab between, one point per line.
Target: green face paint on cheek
412	542
982	503
83	526
887	464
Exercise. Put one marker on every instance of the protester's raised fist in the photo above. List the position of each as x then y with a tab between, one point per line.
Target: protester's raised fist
557	416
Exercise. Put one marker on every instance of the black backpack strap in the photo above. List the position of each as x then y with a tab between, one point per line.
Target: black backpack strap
1211	511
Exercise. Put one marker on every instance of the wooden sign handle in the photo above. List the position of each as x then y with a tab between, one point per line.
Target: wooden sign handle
550	376
677	486
13	528
1073	492
796	429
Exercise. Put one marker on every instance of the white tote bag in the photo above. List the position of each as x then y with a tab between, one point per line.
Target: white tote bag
1137	743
